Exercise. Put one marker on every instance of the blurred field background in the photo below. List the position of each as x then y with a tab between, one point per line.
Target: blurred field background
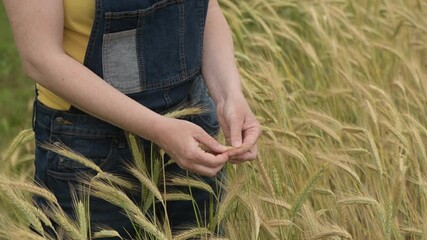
16	91
340	87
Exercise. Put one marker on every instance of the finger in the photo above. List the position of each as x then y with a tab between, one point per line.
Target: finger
225	129
236	126
247	156
250	139
209	160
210	143
205	171
240	161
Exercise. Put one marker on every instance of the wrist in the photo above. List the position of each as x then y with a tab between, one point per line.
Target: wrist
154	129
224	90
235	95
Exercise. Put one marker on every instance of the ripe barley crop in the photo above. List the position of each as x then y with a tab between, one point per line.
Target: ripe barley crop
340	88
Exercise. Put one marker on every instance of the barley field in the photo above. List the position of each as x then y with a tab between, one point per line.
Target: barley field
340	88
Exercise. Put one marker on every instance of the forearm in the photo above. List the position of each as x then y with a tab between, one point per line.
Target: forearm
82	88
218	66
38	31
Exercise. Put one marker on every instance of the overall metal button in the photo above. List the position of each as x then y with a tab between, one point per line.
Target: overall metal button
59	120
62	121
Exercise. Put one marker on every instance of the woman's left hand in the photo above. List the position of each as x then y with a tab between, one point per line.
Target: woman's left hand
240	128
221	75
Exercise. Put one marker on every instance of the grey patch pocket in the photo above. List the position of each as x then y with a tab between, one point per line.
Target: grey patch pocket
120	61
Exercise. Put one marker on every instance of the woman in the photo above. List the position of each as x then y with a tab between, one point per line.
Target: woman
104	67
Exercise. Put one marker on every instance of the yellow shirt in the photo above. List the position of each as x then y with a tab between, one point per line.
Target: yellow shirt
78	20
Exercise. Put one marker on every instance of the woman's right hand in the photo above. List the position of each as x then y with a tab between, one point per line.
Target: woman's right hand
185	142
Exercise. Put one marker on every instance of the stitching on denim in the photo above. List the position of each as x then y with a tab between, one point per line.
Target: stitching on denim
173	80
121	34
182	38
87	133
140	52
105	58
47	123
94	32
141	12
202	16
166	96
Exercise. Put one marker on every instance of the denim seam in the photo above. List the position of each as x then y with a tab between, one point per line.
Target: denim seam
141	12
166	96
140	52
121	34
94	31
173	80
182	39
105	59
202	28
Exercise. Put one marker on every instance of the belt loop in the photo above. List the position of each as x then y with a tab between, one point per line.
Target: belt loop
33	119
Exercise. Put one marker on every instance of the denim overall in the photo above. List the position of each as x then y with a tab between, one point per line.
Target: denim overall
150	50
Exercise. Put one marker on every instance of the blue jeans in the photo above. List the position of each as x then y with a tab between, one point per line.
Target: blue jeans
107	146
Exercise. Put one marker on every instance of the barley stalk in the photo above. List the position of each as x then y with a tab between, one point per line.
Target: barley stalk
147	182
21	138
68	153
194	183
296	206
332	233
28	187
177	197
24	207
67	224
137	153
81	219
193	233
105	233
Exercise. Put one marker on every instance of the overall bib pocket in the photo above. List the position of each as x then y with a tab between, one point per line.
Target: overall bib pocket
156	46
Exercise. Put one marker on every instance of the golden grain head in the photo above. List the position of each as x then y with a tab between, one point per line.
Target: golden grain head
336	82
